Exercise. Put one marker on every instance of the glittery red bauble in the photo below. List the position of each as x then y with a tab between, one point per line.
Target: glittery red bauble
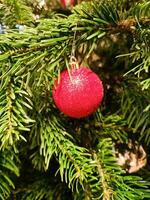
68	3
80	95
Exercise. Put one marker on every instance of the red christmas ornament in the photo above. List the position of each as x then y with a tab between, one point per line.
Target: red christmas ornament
68	3
80	94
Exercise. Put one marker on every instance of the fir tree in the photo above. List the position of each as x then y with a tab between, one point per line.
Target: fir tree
45	155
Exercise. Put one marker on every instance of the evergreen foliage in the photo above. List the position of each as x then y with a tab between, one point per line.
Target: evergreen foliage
8	161
46	155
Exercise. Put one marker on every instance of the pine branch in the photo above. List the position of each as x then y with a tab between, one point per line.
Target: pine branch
145	84
113	126
61	28
19	47
14	102
16	12
74	160
23	45
135	103
107	192
37	191
100	176
7	168
114	183
142	58
141	10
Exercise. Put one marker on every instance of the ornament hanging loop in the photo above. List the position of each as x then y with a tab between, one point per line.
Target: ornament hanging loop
73	61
